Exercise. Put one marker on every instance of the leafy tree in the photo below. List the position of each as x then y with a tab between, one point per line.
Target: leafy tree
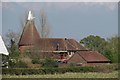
95	43
14	52
14	56
111	50
109	47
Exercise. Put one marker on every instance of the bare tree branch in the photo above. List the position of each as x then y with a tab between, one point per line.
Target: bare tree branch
44	26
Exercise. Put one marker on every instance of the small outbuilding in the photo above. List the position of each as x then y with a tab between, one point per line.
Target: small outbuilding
88	58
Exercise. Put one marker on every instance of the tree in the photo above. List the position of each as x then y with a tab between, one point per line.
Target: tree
95	43
14	52
11	36
112	47
12	39
44	26
108	48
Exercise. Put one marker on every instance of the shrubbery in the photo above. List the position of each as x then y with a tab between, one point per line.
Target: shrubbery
49	63
29	71
18	64
36	61
106	68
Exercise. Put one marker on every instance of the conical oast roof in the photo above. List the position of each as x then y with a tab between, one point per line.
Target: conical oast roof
30	34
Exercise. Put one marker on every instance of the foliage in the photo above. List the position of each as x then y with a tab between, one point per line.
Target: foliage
111	50
72	65
111	76
11	40
14	56
17	64
14	60
106	68
29	71
95	43
35	61
108	48
14	52
49	62
4	58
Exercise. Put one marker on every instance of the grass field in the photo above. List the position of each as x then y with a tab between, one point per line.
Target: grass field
113	74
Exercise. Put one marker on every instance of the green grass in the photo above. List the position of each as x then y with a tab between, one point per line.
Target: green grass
113	74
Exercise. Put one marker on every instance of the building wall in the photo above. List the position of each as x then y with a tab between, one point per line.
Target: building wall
70	54
24	48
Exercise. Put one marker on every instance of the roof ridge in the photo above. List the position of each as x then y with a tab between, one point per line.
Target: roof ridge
81	56
23	31
53	38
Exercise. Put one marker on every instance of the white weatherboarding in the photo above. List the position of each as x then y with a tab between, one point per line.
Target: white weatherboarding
3	49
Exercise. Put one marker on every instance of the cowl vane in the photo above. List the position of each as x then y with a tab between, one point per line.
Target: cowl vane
30	16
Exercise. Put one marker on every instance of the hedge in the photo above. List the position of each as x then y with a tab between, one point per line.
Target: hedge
29	71
106	68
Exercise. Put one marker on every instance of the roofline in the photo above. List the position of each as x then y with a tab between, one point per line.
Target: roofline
52	51
22	33
77	50
99	61
107	60
74	54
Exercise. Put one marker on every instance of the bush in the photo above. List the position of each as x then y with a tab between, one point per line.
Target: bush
72	65
49	63
17	64
35	61
106	68
29	71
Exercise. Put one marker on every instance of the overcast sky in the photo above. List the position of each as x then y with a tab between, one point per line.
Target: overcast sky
67	19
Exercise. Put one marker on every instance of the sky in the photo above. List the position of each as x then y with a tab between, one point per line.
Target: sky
66	19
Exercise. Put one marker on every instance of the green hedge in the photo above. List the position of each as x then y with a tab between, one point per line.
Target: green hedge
35	61
29	71
106	68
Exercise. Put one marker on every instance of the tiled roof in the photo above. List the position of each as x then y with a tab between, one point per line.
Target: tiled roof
87	57
29	35
76	58
92	56
61	44
74	45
